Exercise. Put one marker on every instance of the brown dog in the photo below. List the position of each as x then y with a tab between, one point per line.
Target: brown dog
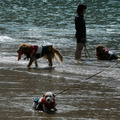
34	52
103	53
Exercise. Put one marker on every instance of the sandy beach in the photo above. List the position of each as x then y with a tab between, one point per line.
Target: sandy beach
85	100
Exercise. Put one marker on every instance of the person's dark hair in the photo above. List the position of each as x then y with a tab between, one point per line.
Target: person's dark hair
81	7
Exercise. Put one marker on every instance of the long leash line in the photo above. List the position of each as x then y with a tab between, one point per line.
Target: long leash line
86	51
89	77
102	71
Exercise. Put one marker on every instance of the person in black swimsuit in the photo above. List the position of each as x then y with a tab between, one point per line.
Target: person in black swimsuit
80	27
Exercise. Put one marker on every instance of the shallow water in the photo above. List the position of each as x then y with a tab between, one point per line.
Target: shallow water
52	22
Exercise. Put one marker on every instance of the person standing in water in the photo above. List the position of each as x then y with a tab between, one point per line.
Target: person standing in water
80	27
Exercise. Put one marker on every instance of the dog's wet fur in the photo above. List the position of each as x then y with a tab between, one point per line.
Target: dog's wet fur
103	53
100	52
25	48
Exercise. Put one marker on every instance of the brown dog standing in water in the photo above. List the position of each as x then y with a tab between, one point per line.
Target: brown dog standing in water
34	52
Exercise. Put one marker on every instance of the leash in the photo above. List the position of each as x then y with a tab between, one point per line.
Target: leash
63	91
89	77
102	71
86	51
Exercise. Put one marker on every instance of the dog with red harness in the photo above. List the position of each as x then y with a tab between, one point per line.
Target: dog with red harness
46	103
103	53
34	52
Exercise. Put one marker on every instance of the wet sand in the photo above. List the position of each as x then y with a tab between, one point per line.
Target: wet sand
85	101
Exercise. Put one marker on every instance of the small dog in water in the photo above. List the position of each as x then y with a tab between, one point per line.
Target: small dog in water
34	52
103	53
46	103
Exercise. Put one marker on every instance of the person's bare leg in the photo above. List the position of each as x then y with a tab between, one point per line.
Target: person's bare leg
78	51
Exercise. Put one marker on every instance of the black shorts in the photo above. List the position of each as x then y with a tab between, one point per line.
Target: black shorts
80	41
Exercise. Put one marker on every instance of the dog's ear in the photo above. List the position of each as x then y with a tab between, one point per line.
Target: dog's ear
25	48
100	48
21	47
54	95
44	95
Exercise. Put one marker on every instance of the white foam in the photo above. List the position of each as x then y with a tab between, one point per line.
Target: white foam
6	39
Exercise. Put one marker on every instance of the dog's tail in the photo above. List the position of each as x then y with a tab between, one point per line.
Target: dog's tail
58	55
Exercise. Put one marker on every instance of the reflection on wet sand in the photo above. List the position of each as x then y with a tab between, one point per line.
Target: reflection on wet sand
85	100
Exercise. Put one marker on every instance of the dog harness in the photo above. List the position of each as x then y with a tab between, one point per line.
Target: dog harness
39	51
35	49
50	105
112	55
109	52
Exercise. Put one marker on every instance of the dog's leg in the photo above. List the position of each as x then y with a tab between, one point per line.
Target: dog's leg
36	64
50	62
30	63
44	108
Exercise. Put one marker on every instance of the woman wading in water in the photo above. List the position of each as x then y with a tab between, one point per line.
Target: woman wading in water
80	30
